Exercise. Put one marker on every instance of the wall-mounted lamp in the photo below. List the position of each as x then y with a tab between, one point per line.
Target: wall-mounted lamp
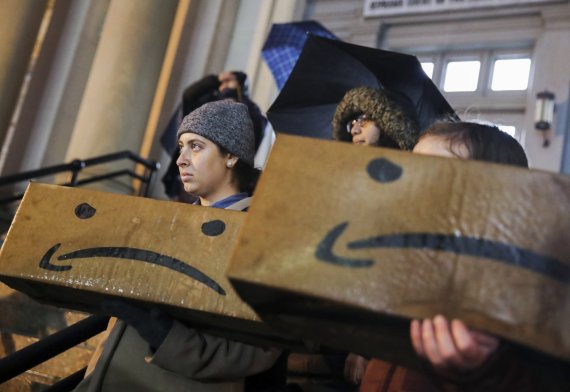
544	113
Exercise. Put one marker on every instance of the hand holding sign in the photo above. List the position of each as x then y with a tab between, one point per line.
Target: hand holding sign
451	346
152	325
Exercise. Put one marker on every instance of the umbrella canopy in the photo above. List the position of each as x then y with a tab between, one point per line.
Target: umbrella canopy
284	45
327	69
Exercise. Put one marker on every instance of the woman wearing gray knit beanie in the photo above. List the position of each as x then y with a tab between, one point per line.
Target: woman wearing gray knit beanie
149	350
217	148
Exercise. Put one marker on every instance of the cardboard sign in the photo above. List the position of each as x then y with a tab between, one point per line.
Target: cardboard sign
344	244
74	248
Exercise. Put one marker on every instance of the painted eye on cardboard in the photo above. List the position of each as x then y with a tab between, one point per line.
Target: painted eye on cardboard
382	170
84	211
213	228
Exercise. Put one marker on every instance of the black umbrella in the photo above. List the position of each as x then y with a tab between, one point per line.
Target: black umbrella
327	69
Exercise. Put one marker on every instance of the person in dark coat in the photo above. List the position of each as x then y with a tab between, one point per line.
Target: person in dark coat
149	351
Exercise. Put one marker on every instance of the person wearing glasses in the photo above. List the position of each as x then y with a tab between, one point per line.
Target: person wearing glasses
456	357
373	117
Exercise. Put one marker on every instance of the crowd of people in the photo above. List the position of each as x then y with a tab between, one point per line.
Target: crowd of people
221	130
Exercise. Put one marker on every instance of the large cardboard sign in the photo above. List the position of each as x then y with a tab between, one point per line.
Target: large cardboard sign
74	248
344	244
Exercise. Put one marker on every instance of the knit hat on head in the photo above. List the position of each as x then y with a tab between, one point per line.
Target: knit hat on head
226	123
392	114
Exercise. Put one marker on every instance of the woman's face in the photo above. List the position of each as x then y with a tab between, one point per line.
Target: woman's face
203	170
439	146
364	131
227	80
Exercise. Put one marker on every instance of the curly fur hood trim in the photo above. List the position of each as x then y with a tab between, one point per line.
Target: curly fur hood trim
393	120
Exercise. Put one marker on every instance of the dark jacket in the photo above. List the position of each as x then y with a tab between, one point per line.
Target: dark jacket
509	369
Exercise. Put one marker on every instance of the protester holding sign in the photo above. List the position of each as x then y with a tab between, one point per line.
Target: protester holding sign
149	351
373	117
457	357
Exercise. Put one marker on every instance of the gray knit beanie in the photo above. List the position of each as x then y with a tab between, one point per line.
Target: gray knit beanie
226	123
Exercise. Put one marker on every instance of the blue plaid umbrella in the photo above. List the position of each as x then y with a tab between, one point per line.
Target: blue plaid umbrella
284	45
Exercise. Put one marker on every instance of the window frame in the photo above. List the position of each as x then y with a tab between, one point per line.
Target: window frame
508	55
456	57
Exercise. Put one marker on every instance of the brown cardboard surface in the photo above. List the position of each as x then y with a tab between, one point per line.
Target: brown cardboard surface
344	244
73	248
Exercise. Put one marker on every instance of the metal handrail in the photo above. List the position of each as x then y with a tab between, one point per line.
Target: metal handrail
50	346
75	168
47	348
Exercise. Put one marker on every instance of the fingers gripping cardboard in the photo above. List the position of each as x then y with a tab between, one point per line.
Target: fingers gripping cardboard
342	245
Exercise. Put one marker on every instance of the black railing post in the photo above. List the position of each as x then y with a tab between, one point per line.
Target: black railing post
31	356
76	166
149	173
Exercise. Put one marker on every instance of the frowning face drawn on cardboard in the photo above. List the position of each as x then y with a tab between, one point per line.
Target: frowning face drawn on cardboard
75	247
384	171
381	234
85	211
76	241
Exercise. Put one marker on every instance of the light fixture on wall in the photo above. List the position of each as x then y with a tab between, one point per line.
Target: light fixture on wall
544	113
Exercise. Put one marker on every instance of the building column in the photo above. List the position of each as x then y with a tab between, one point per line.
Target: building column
20	22
121	86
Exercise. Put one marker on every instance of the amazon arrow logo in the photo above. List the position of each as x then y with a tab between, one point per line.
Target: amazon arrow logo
464	245
85	211
130	254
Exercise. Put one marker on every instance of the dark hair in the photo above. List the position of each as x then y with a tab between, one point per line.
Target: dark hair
243	175
484	142
242	80
241	95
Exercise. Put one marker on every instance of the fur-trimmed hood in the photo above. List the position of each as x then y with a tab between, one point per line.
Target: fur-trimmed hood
395	121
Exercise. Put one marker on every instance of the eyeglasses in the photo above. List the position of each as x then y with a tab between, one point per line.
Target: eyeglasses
360	120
